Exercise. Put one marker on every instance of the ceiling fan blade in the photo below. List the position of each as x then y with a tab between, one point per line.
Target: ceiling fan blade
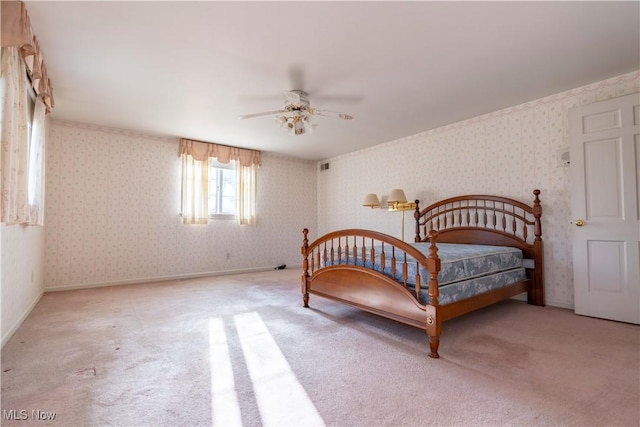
339	98
333	114
266	113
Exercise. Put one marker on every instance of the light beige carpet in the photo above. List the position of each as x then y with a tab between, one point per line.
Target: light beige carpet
241	349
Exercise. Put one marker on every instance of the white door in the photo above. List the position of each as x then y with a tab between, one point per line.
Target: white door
605	187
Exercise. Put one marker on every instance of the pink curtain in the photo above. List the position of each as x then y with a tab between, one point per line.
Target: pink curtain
224	153
14	141
195	166
17	32
195	192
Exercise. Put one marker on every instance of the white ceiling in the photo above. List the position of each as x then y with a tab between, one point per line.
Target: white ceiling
189	69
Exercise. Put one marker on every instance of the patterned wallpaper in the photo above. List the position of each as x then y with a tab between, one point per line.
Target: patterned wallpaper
112	212
509	152
21	261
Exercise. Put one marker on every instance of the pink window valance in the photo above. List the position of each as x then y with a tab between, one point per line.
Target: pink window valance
223	153
17	32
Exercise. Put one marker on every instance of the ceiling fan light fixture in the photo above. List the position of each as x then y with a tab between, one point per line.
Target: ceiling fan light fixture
298	126
297	114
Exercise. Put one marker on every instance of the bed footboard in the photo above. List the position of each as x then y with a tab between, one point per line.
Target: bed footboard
345	266
362	251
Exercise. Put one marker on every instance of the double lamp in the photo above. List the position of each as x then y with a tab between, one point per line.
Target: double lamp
397	202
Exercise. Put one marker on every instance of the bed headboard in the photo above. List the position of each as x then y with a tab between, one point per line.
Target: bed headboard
483	219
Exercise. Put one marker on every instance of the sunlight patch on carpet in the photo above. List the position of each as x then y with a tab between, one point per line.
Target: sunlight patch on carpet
281	398
225	410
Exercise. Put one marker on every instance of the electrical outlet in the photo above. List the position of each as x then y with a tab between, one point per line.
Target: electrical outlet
228	255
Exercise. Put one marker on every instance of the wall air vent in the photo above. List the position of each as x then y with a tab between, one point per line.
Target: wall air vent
324	167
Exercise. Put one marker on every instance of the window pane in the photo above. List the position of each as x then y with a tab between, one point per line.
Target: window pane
33	130
228	191
222	188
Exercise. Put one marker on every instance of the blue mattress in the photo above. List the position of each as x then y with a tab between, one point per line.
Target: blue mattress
466	270
478	285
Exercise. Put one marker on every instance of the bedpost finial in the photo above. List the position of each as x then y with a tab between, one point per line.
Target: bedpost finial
537	209
537	214
305	242
536	199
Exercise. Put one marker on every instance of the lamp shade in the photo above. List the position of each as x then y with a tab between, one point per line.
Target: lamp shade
397	195
371	201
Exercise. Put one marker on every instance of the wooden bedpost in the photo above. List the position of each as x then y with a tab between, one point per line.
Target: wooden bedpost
305	269
434	323
537	296
416	215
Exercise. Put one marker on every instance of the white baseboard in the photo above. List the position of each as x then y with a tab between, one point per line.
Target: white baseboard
6	337
550	303
158	279
560	304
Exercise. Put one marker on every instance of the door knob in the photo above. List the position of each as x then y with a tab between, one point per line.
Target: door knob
579	222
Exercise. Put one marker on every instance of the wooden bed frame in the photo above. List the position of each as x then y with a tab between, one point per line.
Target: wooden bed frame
333	265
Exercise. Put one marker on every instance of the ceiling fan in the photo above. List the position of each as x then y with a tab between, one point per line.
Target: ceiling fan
297	113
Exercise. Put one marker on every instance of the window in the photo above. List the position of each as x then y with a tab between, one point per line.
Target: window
222	190
217	190
34	149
